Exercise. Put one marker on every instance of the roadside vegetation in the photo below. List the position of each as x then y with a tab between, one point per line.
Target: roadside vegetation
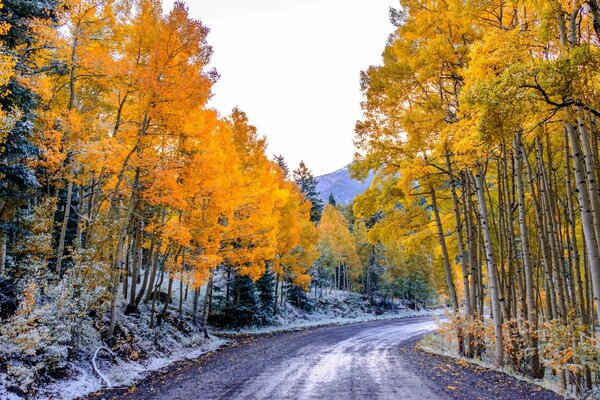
482	128
133	216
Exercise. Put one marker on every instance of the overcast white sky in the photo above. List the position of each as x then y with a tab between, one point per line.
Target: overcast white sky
293	67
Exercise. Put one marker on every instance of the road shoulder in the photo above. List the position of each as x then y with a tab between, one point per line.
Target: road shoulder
461	380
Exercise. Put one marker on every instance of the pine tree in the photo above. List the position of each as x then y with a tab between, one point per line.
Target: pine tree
280	160
266	294
246	303
332	200
20	44
308	185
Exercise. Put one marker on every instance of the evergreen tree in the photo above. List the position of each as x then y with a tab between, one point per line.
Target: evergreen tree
280	160
299	298
246	305
266	293
19	46
331	200
308	185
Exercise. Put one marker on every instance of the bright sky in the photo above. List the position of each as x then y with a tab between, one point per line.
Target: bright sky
293	67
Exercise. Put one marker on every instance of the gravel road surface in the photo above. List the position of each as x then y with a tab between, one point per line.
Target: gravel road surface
372	360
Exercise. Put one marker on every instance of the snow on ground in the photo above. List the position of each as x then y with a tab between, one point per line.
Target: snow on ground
124	372
146	350
83	380
324	319
335	308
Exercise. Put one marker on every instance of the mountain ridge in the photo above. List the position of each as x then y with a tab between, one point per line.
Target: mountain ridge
343	187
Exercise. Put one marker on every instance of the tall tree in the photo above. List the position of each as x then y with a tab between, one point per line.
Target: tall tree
23	44
280	161
308	185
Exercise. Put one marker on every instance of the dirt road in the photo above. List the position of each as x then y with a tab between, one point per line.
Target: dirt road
373	360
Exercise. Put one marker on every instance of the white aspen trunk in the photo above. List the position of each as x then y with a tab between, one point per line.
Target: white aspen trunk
542	235
459	236
491	265
587	222
574	250
442	240
550	223
526	254
590	172
472	254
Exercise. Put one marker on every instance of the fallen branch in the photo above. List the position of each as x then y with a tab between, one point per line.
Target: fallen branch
95	367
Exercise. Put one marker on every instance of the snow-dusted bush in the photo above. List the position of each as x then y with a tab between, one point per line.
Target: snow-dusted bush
50	326
23	340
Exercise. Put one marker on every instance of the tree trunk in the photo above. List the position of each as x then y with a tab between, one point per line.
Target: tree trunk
550	223
446	258
116	273
527	263
459	237
148	271
587	222
208	298
63	230
572	237
543	245
276	293
165	308
472	241
135	267
491	264
590	172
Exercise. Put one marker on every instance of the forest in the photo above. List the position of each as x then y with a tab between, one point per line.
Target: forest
483	119
133	213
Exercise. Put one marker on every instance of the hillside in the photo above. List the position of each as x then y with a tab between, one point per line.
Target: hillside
342	185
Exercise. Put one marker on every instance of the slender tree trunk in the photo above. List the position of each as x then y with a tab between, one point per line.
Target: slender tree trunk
125	276
195	305
459	237
227	285
543	245
116	273
491	264
446	258
163	313
180	310
587	221
155	263
276	293
549	219
472	241
150	270
155	296
573	247
527	263
136	266
208	298
63	230
590	172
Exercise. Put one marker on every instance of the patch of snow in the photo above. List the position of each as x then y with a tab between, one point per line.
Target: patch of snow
122	373
5	394
336	308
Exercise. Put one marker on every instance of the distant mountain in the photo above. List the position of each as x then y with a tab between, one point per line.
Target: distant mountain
343	187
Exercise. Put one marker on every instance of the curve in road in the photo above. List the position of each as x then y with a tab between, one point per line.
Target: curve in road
360	361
